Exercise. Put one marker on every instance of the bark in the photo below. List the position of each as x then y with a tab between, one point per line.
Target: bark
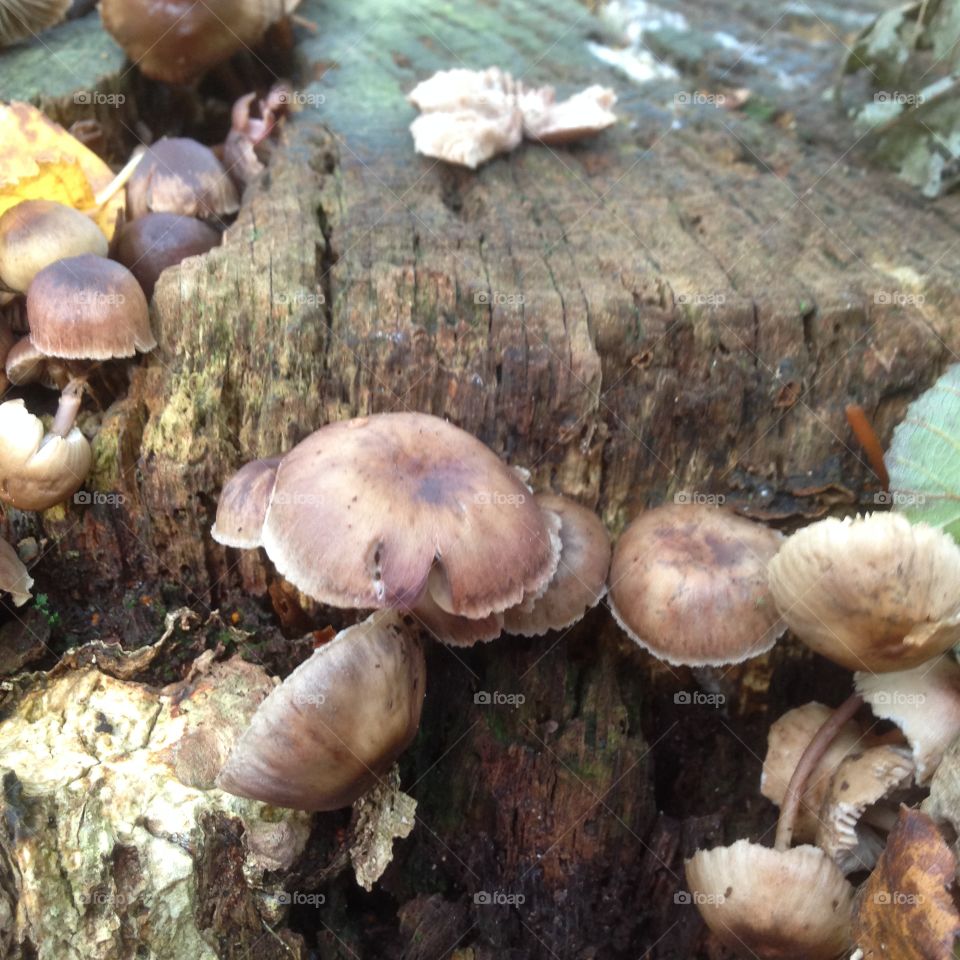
656	312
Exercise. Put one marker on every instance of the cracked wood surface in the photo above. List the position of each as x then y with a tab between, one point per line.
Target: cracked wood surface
685	303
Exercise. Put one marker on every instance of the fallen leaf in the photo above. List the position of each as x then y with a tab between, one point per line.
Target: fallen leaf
906	910
40	160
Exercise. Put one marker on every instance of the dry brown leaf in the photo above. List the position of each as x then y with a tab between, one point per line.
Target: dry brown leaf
906	910
40	160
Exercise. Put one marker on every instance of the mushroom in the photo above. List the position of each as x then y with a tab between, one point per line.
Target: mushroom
779	904
38	469
466	137
492	91
14	578
21	19
582	115
86	308
844	830
337	723
243	504
376	511
180	40
179	175
789	737
36	233
875	593
25	364
581	578
924	703
151	243
689	583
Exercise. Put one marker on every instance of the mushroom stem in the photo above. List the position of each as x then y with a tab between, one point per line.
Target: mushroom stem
807	763
69	407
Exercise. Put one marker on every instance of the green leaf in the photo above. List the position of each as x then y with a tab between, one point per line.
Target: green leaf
924	457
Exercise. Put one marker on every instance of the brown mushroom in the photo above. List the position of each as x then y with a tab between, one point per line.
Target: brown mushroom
179	175
25	364
22	19
841	586
243	503
38	469
689	583
36	233
14	577
335	725
151	243
773	904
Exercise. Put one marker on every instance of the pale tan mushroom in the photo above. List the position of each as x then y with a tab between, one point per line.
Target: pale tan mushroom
583	115
14	577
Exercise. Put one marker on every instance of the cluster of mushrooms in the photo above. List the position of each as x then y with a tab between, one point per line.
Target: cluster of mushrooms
409	516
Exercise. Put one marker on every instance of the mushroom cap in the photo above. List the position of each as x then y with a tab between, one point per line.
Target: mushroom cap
875	593
179	40
923	702
337	723
581	578
491	91
180	175
25	364
456	631
861	780
243	503
38	470
582	115
155	241
21	19
35	233
14	578
689	583
789	905
789	736
8	340
466	137
367	512
88	308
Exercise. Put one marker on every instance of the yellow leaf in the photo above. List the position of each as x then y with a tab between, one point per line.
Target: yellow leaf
39	159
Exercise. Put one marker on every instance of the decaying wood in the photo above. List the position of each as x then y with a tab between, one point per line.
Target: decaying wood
670	308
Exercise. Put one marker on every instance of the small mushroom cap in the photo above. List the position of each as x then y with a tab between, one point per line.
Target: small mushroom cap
581	578
861	780
582	115
689	583
489	91
155	241
789	736
88	308
923	702
35	233
179	40
25	364
22	19
783	905
243	502
456	631
179	175
365	512
466	137
38	470
14	578
875	593
337	723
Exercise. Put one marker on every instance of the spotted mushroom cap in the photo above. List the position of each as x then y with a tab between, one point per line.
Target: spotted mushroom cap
876	593
337	723
789	736
37	469
243	503
35	233
180	40
923	702
689	583
581	578
790	905
371	512
861	780
14	578
22	19
88	308
179	175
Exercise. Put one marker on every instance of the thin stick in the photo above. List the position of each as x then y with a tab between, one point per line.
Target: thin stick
868	439
809	759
